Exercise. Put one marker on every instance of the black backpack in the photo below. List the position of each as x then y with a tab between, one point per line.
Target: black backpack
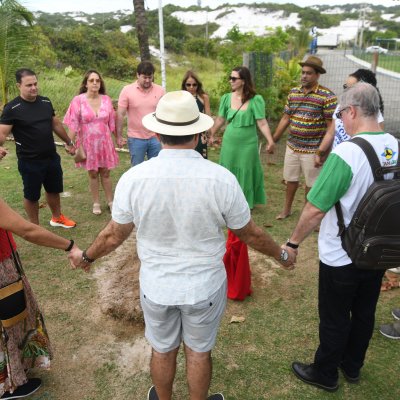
372	239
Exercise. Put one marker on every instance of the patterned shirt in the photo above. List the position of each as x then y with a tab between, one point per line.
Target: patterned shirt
308	115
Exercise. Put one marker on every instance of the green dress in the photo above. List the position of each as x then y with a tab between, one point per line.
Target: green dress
239	150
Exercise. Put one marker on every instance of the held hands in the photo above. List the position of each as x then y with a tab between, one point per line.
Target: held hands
290	263
3	152
121	142
76	260
270	147
70	149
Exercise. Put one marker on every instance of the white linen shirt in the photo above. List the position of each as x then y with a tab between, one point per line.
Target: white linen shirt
180	203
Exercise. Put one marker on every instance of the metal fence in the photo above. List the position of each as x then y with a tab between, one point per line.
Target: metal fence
340	63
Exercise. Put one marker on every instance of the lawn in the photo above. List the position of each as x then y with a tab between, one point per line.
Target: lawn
95	354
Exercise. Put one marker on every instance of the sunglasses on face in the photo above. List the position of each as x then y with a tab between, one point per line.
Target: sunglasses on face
94	80
191	84
233	78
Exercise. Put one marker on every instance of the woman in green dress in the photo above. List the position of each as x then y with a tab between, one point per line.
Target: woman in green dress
244	110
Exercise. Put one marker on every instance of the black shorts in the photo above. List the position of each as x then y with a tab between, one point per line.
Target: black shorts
46	172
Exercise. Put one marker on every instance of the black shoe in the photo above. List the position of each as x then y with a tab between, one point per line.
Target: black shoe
152	395
308	374
24	390
351	378
216	396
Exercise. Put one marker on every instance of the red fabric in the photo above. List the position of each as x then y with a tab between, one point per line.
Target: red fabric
236	260
5	249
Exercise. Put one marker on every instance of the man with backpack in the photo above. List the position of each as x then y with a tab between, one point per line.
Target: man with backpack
349	284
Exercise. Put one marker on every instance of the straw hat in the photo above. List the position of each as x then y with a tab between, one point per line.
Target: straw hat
177	114
315	63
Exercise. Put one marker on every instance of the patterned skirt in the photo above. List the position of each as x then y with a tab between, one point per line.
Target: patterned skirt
26	344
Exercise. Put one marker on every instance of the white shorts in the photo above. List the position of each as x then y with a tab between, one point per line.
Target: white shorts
196	325
295	163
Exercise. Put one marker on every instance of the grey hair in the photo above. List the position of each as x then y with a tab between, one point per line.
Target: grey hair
363	95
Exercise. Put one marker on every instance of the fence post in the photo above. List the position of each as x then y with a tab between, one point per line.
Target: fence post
375	61
246	59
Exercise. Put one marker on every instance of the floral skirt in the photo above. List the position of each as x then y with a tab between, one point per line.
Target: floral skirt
24	345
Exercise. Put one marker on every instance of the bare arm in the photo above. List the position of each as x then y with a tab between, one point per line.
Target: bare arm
264	128
259	240
121	113
60	131
282	126
207	109
106	241
4	132
326	144
218	122
310	218
13	222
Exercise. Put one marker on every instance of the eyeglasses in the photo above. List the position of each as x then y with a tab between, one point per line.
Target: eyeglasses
233	78
339	113
191	84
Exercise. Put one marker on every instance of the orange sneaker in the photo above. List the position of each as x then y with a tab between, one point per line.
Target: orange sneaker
63	222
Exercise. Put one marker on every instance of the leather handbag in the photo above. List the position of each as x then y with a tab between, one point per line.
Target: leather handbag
12	297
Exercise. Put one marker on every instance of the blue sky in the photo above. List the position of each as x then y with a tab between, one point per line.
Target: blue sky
92	6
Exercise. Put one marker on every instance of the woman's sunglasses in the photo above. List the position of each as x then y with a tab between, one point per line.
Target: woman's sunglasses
191	84
233	78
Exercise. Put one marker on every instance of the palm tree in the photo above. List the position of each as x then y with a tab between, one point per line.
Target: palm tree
141	29
14	45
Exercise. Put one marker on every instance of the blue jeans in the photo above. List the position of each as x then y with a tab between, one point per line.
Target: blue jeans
138	148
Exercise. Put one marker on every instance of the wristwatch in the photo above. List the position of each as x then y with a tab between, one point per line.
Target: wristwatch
292	245
70	143
284	255
87	259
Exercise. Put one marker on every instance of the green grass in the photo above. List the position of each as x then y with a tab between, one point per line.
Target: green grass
390	62
251	359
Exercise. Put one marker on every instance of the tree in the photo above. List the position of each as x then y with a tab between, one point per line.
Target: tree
14	45
141	29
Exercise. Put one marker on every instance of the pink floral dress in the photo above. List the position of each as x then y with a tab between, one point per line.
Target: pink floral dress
94	131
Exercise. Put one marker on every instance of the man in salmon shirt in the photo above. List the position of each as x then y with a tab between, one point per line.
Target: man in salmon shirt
137	100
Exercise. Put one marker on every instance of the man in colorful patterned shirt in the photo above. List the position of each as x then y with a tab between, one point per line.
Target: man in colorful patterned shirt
308	113
347	295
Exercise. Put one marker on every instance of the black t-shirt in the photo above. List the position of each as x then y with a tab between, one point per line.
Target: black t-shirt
32	126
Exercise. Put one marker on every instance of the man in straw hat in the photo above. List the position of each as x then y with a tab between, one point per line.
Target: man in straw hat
179	204
308	113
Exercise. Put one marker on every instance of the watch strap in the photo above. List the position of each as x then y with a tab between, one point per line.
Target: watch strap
86	258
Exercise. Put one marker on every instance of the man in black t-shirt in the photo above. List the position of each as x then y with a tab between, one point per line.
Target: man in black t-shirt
32	120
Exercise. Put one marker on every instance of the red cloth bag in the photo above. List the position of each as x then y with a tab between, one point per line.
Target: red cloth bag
237	266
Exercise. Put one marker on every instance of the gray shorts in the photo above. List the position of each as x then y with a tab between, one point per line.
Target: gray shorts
196	325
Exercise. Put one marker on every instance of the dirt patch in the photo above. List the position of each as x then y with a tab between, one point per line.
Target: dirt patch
263	268
118	283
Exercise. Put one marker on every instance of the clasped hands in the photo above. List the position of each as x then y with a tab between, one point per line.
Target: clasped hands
290	264
76	260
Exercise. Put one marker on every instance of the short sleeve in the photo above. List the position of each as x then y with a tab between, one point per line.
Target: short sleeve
73	115
123	98
224	105
330	106
258	105
6	116
238	214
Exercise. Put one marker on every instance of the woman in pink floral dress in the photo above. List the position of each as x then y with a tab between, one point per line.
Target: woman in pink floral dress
91	120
